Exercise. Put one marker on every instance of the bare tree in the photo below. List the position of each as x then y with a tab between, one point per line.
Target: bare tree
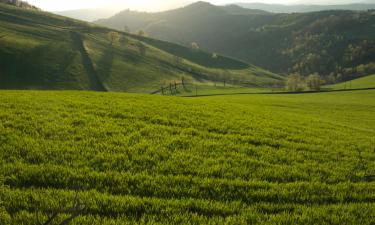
113	37
194	45
141	33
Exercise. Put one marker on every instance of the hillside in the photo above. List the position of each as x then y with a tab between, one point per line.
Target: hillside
88	15
18	3
329	42
301	159
44	51
360	83
188	15
279	8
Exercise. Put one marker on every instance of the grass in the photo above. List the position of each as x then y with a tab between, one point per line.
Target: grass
142	159
360	83
40	50
217	89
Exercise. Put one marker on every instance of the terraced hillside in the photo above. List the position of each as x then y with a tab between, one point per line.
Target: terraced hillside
39	50
142	159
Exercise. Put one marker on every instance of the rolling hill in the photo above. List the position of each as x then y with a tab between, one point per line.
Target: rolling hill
39	50
193	13
88	15
328	42
279	8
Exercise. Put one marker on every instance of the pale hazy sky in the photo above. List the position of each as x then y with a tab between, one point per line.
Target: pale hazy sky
157	5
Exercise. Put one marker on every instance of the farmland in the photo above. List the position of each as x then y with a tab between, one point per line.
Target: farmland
142	159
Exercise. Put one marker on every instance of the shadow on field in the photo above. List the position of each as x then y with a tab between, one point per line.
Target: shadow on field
95	83
105	63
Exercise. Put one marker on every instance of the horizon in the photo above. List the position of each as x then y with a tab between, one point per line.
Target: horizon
160	5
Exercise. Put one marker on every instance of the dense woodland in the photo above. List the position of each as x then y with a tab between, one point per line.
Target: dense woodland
336	44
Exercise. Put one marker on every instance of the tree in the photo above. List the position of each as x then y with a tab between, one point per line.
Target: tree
126	29
113	37
314	82
294	83
194	46
183	82
215	56
141	33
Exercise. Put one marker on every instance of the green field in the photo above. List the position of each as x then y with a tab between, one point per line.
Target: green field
142	159
360	83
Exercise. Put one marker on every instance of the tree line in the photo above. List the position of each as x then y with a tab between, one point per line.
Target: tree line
296	82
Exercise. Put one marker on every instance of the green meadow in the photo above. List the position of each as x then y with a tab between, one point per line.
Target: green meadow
360	83
150	159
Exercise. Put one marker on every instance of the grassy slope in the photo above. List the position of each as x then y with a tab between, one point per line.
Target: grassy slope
216	89
45	51
363	82
278	42
141	159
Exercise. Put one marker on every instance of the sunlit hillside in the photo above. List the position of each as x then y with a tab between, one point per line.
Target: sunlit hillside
44	51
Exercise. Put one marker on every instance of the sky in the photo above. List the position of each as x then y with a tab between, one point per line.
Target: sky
157	5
